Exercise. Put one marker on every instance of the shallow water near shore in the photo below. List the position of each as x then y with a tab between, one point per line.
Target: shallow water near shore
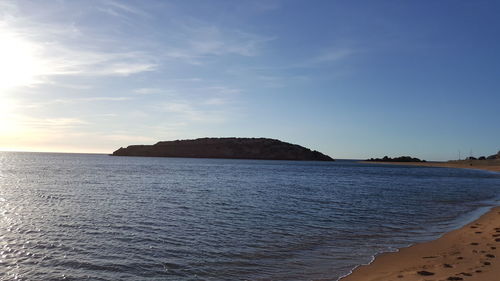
97	217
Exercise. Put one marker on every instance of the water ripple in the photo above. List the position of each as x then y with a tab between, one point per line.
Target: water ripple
95	217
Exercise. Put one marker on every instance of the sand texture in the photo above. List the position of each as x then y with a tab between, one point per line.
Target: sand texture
469	253
490	165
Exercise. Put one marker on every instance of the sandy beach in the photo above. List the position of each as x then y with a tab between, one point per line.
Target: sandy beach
489	165
468	253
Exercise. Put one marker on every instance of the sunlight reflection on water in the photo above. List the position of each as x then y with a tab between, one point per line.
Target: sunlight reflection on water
96	217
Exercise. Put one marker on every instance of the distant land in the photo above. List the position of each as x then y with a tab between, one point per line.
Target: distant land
490	163
230	148
396	159
491	157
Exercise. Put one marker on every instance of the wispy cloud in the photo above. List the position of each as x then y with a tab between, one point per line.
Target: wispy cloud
220	90
216	101
201	41
185	109
120	9
91	99
65	60
126	138
62	48
45	49
187	80
74	100
79	69
207	105
148	91
190	112
50	123
333	55
279	81
73	86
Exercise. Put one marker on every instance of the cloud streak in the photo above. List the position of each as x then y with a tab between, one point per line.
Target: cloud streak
62	49
87	61
202	41
46	49
120	9
51	123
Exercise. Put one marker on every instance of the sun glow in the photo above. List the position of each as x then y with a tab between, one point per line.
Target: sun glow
20	64
8	124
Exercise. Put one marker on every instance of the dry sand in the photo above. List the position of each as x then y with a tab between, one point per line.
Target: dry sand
470	253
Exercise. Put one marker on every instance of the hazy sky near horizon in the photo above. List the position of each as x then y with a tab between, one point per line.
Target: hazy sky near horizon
353	79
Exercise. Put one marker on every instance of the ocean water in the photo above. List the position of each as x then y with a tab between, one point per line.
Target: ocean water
97	217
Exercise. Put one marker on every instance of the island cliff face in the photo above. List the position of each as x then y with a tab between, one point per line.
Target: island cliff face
232	148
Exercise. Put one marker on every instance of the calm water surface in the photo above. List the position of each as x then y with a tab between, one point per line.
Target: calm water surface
97	217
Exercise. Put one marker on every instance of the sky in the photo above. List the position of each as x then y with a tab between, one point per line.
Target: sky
352	79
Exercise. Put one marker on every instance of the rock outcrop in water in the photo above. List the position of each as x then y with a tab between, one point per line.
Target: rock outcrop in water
232	148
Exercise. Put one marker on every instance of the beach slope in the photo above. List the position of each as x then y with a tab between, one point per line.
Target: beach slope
470	253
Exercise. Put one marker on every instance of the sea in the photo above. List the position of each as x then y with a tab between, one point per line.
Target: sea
99	217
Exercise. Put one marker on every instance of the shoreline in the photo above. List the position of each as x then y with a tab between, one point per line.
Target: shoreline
486	165
467	253
466	219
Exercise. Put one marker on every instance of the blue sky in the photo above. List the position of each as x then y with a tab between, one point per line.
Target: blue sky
353	79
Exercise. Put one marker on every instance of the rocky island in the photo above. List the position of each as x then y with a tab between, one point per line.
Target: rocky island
231	148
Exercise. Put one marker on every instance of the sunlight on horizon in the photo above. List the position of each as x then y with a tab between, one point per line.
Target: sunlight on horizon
8	124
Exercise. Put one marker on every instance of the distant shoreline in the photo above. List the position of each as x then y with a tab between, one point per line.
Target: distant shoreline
488	165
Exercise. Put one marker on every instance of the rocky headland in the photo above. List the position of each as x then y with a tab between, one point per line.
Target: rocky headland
231	148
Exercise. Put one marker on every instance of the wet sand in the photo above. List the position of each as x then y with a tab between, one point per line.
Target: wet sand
469	253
